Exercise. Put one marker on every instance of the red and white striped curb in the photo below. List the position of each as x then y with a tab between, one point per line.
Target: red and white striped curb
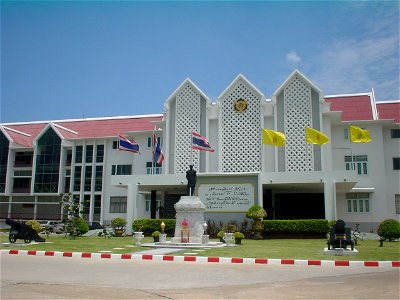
204	259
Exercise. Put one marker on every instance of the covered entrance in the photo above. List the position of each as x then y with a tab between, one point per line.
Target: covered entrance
294	202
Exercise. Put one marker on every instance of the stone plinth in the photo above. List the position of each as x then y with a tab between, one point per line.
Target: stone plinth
192	209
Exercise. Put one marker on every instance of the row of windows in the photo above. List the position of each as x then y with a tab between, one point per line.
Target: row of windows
149	142
118	204
394	133
358	203
89	154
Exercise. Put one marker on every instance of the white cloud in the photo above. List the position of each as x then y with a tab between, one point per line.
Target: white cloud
353	65
292	57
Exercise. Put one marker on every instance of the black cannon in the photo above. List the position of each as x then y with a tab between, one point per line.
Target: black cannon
23	231
340	236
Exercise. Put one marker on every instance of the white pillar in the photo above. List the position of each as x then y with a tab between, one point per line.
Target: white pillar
131	206
330	200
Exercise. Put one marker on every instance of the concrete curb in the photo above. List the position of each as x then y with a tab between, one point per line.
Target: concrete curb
203	259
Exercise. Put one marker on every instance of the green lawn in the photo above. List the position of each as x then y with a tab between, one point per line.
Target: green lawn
268	248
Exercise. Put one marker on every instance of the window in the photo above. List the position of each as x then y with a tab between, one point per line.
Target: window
98	184
115	145
358	203
68	158
395	133
346	133
88	178
99	153
397	203
77	178
359	161
153	168
78	154
396	163
47	163
150	141
97	205
89	154
121	170
148	205
118	204
23	159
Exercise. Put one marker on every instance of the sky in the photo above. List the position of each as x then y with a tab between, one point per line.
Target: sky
88	59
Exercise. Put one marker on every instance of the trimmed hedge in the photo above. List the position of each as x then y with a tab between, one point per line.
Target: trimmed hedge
311	226
148	226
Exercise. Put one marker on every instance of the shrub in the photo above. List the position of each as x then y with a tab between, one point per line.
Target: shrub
220	234
147	226
389	229
35	225
256	212
238	235
230	228
80	225
311	226
156	233
118	223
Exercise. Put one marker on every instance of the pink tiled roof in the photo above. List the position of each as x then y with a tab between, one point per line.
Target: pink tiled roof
389	110
354	107
89	128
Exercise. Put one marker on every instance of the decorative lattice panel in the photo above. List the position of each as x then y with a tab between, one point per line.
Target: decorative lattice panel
298	115
241	132
187	120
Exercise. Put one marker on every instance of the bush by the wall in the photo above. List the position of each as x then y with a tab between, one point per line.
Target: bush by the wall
389	229
35	225
148	226
81	226
311	226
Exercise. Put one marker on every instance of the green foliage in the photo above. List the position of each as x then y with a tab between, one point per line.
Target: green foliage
35	225
389	229
312	226
148	226
256	212
230	228
221	234
118	223
238	235
81	226
156	233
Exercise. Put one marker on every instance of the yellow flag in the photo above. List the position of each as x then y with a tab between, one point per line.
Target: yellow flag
271	137
359	135
315	137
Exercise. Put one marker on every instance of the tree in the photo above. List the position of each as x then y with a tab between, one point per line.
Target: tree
73	209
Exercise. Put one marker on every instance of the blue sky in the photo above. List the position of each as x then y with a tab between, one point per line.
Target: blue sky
63	60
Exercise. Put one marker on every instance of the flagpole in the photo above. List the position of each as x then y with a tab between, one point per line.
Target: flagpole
153	163
191	150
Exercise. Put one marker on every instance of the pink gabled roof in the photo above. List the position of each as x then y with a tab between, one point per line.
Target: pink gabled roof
389	110
82	129
354	107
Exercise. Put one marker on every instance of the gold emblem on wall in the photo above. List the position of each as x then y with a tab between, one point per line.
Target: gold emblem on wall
240	105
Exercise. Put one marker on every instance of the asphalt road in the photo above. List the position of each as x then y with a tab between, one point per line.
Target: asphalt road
37	277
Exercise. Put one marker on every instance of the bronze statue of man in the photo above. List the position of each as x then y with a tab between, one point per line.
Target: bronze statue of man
191	178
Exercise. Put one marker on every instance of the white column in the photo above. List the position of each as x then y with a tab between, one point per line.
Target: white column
131	206
330	200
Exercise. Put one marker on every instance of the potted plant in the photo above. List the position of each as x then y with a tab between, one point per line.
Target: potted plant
156	236
118	225
238	237
257	213
221	235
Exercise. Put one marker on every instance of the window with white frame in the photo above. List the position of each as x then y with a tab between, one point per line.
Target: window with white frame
396	163
148	204
121	170
358	203
395	133
150	141
153	168
397	203
118	204
358	162
346	133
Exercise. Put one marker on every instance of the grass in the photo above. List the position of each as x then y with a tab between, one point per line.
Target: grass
268	248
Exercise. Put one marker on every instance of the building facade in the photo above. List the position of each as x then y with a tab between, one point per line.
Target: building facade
358	182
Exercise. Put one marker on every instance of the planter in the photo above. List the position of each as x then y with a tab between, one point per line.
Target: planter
119	232
156	239
238	241
258	227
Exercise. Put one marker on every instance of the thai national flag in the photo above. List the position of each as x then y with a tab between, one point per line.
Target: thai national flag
200	143
127	145
158	155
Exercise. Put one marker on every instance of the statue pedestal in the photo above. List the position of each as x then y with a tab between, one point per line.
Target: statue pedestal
192	209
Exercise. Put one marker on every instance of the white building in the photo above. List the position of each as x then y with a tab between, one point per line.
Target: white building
357	182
